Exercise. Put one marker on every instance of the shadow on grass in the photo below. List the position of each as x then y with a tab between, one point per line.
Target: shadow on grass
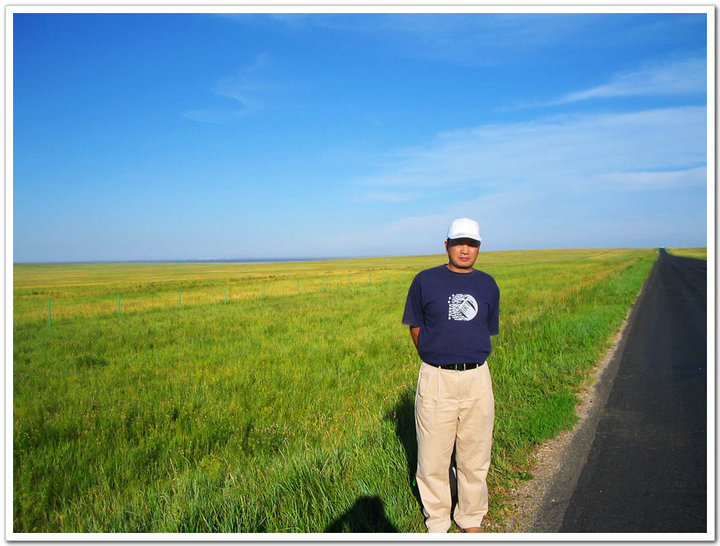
403	416
367	515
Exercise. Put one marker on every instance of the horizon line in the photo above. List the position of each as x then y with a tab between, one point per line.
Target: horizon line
302	259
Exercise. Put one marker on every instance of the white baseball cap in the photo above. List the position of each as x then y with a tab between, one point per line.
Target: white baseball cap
464	228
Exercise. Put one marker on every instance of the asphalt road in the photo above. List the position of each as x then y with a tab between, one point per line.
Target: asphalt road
646	470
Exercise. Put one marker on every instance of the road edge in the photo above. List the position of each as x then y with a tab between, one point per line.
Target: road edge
539	505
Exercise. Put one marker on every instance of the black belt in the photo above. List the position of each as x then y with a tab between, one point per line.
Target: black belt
458	367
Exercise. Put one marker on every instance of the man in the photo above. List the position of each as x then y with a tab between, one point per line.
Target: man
452	311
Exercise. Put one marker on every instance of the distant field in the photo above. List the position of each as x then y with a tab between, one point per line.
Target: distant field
93	289
275	397
700	253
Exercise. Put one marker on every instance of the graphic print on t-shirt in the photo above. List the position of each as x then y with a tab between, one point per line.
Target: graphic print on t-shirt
462	307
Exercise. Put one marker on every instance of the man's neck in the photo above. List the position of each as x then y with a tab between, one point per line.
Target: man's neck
455	269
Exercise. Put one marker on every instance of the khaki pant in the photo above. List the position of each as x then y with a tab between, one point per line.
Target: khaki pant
453	409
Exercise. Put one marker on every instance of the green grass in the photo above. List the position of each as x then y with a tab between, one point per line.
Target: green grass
699	253
287	409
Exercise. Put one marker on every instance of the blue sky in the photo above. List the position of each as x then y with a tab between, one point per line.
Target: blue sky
218	135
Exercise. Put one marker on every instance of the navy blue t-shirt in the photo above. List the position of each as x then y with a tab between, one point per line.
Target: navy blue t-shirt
456	312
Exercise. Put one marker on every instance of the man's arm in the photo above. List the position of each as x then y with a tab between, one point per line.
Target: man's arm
415	334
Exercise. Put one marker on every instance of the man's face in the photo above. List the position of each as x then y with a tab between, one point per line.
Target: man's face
462	254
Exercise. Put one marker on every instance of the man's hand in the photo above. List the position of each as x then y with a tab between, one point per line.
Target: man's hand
415	334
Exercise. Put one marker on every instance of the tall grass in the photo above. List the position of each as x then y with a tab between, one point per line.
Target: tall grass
287	409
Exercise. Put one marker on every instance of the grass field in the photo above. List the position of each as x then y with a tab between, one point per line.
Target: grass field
699	253
275	397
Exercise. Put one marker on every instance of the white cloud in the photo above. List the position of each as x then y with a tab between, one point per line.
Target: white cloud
653	180
390	197
562	151
622	179
245	90
536	218
248	81
476	39
669	78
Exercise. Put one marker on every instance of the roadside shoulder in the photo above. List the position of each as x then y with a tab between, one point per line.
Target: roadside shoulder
539	505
